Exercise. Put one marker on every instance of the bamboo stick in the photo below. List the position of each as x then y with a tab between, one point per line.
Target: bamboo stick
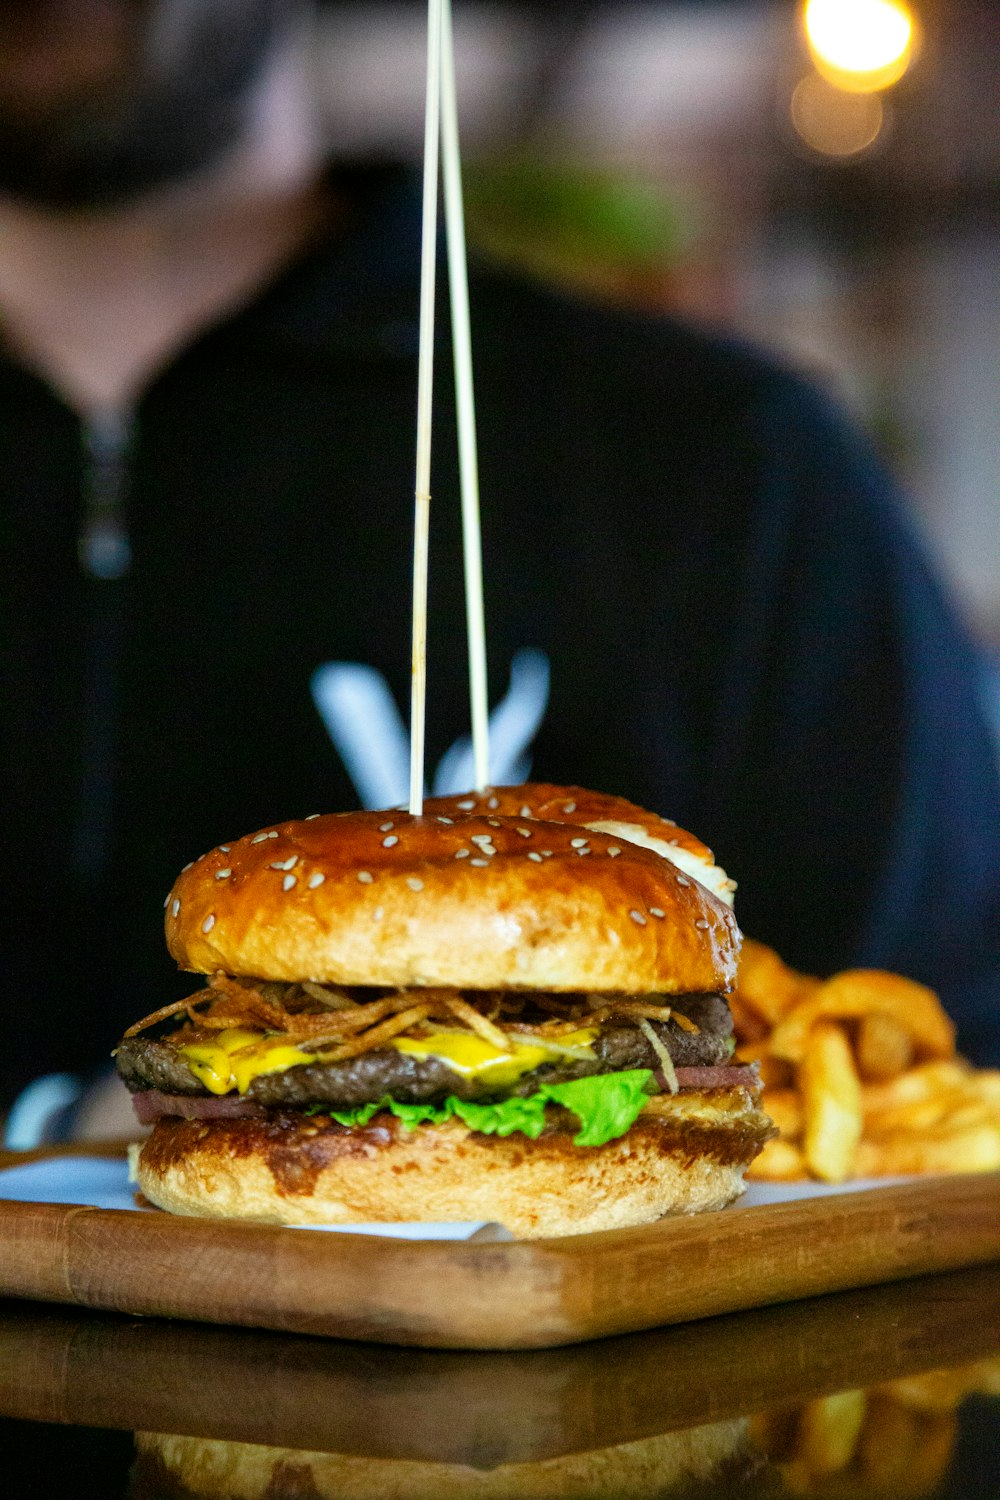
464	402
425	382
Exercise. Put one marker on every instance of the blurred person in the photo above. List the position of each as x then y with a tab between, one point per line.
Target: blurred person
207	404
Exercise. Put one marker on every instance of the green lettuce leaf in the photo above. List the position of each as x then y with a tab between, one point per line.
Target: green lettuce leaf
525	1115
607	1105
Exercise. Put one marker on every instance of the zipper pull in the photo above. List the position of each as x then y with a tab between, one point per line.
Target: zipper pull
103	548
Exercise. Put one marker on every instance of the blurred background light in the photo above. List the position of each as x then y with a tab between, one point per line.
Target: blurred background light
860	45
833	122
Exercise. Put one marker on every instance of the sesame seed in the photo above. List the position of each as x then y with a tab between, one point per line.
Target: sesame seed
578	843
414	883
535	856
466	806
176	906
570	807
388	843
494	822
703	925
259	838
524	832
208	923
311	817
449	821
482	863
223	874
289	881
366	877
526	812
385	827
584	850
637	916
187	866
546	853
654	911
378	913
224	848
461	853
613	851
484	841
166	899
285	864
493	802
315	880
683	880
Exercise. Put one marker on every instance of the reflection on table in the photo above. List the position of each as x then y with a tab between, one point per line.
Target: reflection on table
883	1393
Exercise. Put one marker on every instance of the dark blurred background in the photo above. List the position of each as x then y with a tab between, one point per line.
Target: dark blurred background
835	201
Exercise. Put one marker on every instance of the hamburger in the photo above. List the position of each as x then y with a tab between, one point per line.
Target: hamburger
511	1008
698	1463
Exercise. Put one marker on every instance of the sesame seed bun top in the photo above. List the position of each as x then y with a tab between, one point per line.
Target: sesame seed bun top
486	897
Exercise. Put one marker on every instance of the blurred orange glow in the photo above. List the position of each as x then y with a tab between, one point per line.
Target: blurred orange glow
860	45
832	122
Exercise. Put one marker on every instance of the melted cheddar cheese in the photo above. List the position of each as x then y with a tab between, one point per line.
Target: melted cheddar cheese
474	1057
237	1056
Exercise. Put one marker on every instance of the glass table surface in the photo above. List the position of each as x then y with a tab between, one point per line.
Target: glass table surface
891	1391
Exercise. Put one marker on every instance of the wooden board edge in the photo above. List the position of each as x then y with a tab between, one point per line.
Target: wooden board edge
502	1296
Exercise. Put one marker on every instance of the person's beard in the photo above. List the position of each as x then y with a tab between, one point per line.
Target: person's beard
155	92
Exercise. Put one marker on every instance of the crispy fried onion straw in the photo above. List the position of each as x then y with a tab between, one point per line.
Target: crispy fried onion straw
323	1017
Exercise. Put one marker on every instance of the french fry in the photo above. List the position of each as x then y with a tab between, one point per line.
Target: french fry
902	1452
905	1153
785	1108
829	1429
767	984
884	1048
945	1390
919	1084
936	1443
775	1073
855	993
780	1161
860	1075
749	1026
987	1378
831	1104
939	1118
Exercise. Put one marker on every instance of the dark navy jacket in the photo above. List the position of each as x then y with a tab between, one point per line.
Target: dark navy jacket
743	634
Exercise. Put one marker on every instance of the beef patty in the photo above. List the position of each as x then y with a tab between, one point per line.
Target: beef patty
144	1063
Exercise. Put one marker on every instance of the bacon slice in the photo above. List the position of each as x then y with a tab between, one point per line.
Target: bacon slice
733	1077
151	1104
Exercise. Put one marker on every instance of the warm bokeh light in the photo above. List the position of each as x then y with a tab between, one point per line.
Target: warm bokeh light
835	123
860	45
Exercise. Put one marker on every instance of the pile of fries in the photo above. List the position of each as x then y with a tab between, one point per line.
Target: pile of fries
860	1075
895	1440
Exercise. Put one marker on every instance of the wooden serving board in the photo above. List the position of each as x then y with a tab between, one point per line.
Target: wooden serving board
505	1295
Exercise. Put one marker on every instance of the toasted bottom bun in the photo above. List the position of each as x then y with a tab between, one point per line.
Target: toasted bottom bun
685	1153
690	1463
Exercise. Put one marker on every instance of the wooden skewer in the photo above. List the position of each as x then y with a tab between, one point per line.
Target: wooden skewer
464	402
425	380
441	132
